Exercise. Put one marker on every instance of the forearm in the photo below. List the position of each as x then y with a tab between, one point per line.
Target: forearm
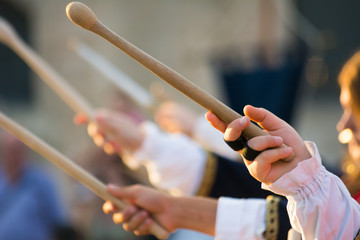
198	214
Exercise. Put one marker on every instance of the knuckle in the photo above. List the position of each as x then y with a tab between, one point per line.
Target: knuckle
136	188
126	227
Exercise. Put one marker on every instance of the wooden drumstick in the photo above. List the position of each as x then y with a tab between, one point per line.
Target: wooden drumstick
10	38
68	166
122	81
84	17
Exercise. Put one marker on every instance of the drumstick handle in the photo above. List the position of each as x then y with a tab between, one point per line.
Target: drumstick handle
83	16
126	84
67	166
49	76
175	79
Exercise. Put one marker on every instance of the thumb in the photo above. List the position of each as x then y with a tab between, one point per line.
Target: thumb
215	122
264	118
121	192
109	122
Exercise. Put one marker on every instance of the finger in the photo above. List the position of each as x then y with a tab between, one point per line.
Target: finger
215	122
107	120
127	193
260	143
144	228
272	155
92	129
235	128
98	139
108	207
126	214
111	124
109	147
105	139
264	118
135	221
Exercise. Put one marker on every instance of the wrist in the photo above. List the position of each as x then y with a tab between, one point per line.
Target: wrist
198	214
138	141
174	210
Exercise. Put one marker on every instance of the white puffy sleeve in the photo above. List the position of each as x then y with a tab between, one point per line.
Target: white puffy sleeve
319	204
173	161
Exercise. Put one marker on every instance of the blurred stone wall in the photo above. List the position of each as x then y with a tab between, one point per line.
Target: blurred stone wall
181	34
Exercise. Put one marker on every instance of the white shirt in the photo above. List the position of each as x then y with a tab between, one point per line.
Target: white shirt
319	206
240	219
173	161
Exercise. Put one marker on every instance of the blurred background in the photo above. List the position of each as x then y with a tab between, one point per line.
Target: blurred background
279	54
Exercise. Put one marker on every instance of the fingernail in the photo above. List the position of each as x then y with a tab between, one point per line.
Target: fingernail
288	149
243	120
111	186
278	139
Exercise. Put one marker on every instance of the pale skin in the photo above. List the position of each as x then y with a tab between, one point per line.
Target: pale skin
170	211
266	167
193	213
350	120
115	129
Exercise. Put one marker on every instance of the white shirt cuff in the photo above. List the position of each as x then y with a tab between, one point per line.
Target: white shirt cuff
291	183
240	219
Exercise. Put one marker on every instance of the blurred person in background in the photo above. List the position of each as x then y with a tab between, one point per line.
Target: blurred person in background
86	206
30	205
349	81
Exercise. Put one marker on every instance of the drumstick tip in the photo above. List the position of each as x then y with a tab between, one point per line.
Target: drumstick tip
7	32
81	15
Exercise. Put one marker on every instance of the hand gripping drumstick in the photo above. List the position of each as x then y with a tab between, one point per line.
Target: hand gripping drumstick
9	37
69	95
83	16
68	166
